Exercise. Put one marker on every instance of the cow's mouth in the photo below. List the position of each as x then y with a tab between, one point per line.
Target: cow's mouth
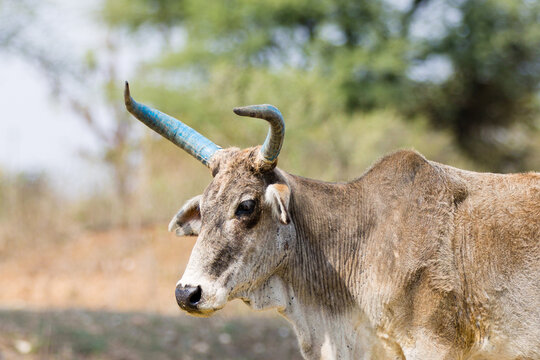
202	312
202	309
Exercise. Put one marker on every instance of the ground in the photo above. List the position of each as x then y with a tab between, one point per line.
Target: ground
110	295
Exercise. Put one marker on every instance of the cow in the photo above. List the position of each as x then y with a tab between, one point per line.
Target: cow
412	260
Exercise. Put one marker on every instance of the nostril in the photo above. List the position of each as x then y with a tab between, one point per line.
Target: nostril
188	297
195	296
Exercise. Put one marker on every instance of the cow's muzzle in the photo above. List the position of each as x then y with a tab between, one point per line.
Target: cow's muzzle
188	297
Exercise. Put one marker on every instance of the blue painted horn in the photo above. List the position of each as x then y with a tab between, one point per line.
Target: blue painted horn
272	145
172	129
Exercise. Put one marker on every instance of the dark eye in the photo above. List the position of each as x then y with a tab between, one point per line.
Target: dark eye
246	207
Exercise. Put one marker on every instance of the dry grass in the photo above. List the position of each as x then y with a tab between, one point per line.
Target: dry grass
115	270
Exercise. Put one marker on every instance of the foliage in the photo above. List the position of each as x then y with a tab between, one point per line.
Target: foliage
31	212
117	141
490	101
367	54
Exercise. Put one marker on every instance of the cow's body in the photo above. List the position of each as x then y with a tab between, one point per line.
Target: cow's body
413	260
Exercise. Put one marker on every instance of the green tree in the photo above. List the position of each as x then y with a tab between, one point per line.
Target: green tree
490	101
365	53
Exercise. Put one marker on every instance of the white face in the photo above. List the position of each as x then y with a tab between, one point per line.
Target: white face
244	237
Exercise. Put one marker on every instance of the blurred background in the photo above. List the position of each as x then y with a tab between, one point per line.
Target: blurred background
87	269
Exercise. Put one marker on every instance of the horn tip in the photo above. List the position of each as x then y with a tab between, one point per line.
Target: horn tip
246	111
127	96
251	110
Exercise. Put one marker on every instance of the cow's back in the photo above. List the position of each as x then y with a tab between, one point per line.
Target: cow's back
497	254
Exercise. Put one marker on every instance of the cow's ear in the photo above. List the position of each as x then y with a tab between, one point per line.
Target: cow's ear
278	195
188	219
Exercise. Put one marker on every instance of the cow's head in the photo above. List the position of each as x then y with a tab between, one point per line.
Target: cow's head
242	218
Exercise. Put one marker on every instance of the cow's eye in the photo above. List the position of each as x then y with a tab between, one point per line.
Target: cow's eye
246	207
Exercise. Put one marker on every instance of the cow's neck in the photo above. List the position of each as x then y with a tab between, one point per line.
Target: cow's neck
322	334
317	291
332	222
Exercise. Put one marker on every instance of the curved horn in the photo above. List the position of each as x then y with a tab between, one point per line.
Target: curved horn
172	129
272	145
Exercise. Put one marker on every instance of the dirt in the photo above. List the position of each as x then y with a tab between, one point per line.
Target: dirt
83	334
